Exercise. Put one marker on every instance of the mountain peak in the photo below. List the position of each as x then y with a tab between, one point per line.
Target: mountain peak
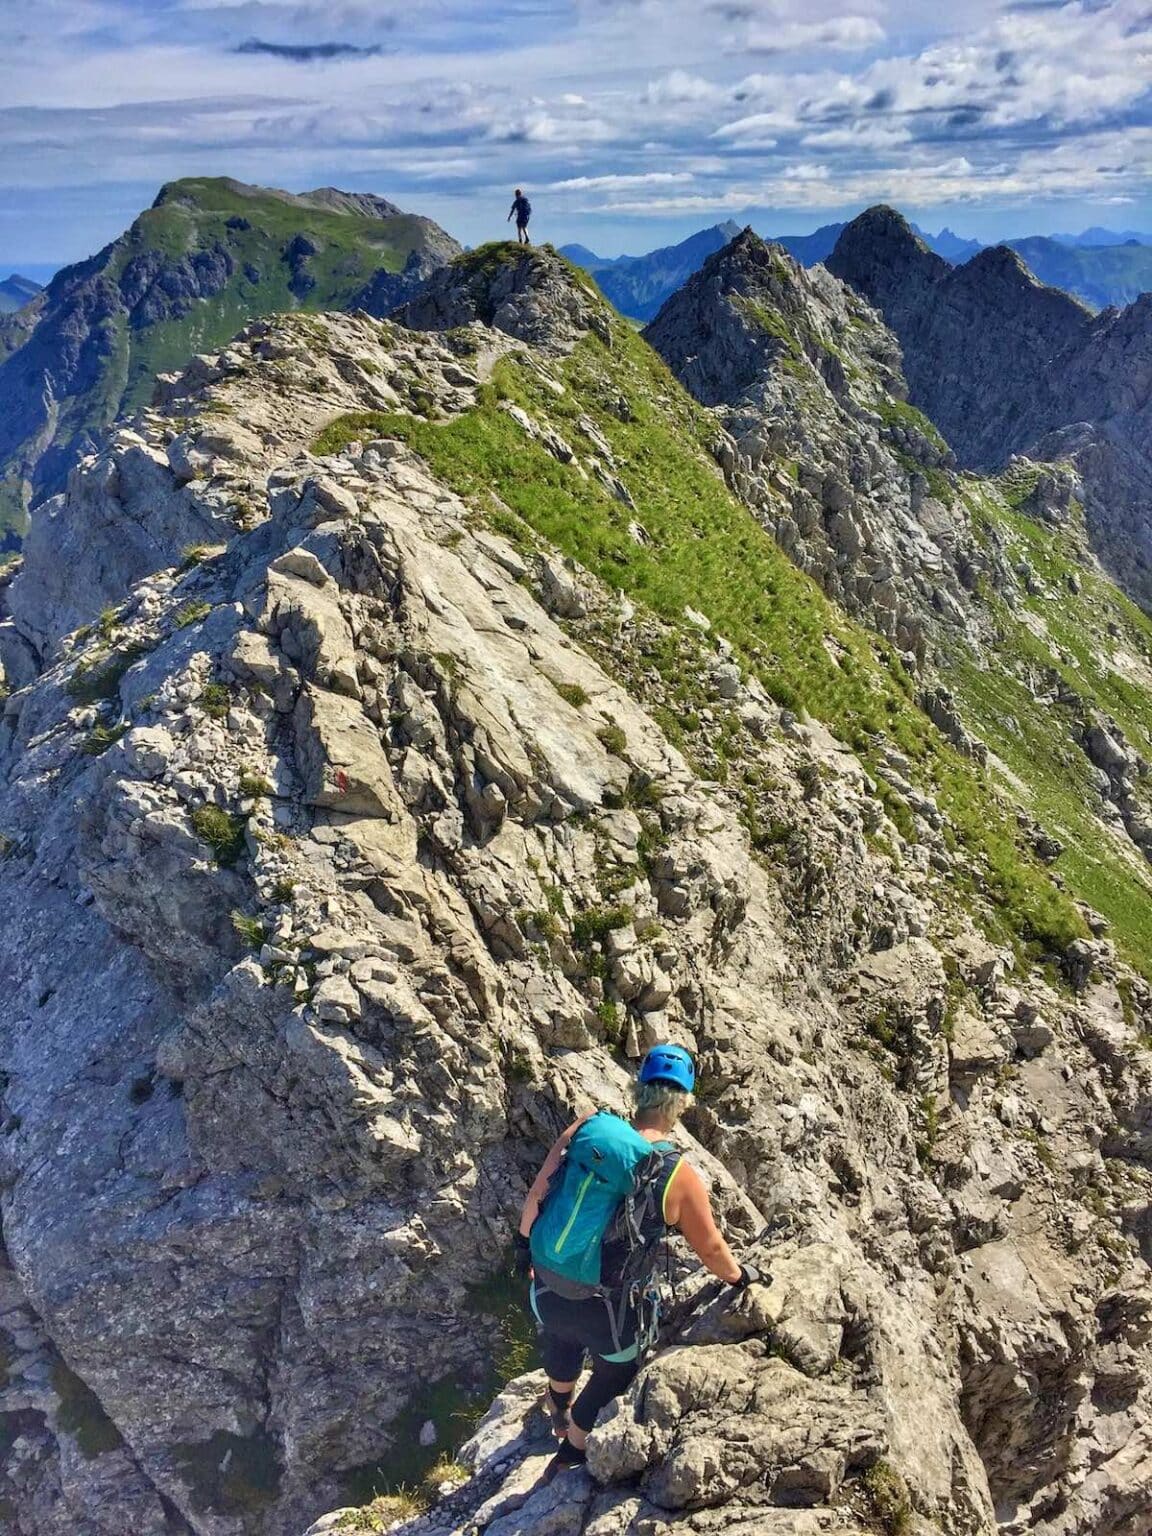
882	232
366	204
16	291
881	256
753	319
998	268
529	292
216	191
209	253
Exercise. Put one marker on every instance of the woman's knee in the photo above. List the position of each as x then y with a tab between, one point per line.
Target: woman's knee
561	1358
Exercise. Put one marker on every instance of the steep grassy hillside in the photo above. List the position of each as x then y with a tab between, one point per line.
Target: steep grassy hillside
208	256
1068	654
684	542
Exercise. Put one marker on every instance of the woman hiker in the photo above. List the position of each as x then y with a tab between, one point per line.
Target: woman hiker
590	1230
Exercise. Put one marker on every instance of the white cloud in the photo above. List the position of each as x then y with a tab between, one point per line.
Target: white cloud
614	183
678	88
755	129
840	34
860	136
631	105
807	171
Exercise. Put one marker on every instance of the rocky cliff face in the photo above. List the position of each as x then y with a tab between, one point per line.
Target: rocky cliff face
207	255
860	489
807	384
350	855
1004	366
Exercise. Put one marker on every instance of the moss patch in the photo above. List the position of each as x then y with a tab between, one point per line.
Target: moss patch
81	1414
96	680
223	833
888	1495
231	1474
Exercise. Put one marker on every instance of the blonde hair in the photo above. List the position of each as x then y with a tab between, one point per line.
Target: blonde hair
661	1099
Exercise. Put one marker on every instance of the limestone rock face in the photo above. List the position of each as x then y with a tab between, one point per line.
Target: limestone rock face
160	489
348	859
1004	365
807	383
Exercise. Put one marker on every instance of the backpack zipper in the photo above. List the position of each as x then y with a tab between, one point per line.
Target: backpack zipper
563	1238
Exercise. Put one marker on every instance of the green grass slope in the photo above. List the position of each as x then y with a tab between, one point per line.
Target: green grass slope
705	551
1069	647
200	214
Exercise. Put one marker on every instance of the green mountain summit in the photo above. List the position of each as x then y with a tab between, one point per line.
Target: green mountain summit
209	255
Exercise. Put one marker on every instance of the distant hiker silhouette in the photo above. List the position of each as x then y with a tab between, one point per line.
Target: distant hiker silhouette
522	208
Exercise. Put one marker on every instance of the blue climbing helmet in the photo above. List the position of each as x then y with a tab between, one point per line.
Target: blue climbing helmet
669	1064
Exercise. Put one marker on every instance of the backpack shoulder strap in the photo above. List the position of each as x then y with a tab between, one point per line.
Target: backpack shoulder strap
673	1162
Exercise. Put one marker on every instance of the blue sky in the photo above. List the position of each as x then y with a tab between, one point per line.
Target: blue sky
630	122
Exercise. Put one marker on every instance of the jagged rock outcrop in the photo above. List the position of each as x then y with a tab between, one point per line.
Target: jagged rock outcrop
345	863
166	490
533	297
1004	365
807	383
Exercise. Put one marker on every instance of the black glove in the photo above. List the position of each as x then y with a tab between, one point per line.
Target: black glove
749	1275
521	1254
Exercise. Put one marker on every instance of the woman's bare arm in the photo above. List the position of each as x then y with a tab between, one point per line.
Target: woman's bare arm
540	1183
688	1207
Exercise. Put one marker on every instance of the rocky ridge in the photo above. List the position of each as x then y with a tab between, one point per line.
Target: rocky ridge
1004	365
380	870
807	384
861	490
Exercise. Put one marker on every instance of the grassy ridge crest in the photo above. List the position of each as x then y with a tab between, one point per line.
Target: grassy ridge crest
704	550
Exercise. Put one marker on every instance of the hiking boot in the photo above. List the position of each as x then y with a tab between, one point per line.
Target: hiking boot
555	1413
565	1459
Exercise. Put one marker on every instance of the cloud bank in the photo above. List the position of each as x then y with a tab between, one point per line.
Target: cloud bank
618	115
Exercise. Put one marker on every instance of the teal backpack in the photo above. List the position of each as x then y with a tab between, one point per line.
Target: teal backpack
604	1194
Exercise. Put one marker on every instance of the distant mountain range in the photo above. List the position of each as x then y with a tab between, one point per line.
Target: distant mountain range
1005	365
15	292
1097	236
1100	275
1100	267
638	285
209	255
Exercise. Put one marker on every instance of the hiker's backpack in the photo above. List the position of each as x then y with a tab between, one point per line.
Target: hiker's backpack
525	209
601	1220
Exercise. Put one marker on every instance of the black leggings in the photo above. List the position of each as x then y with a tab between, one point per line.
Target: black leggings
571	1329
